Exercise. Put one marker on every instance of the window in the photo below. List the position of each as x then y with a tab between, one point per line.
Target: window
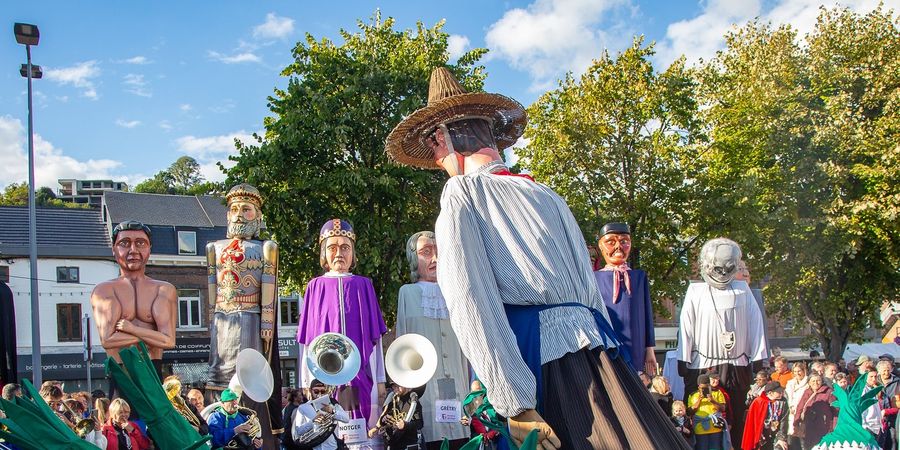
290	311
189	308
65	274
68	322
4	274
187	242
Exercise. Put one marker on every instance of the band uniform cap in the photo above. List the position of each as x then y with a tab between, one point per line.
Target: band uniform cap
228	395
615	228
337	227
449	102
773	386
244	192
862	360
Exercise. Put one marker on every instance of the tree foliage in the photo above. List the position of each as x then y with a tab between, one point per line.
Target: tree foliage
616	144
16	194
804	141
323	156
183	177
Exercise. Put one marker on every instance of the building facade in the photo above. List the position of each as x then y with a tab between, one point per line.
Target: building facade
87	192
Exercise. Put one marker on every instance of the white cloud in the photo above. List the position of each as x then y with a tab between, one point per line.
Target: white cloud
165	125
210	150
127	123
185	107
80	75
552	37
274	27
139	60
702	36
136	85
52	161
457	46
236	58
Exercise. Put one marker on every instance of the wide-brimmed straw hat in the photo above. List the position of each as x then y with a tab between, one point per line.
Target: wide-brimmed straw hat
449	102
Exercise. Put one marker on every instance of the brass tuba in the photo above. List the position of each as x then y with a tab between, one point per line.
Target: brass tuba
333	359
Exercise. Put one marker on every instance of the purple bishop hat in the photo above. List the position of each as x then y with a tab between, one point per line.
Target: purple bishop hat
337	227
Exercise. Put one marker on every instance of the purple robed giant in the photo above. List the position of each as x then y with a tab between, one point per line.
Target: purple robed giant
362	317
632	315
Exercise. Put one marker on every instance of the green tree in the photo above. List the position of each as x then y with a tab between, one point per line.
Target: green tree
323	156
804	142
16	194
181	178
616	144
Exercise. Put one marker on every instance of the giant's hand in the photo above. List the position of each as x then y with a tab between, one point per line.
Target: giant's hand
524	422
125	326
650	365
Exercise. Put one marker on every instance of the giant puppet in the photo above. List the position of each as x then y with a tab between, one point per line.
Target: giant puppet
242	298
134	308
519	287
421	309
342	302
627	296
721	327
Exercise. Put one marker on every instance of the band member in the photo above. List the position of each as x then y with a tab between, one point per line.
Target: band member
314	422
515	272
242	296
722	327
342	302
401	419
232	426
627	296
134	307
421	309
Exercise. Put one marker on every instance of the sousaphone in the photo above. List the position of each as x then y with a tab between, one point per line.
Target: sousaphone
333	359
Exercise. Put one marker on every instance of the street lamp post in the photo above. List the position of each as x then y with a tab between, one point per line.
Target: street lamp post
29	35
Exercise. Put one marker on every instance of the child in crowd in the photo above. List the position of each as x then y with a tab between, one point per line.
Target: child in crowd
682	422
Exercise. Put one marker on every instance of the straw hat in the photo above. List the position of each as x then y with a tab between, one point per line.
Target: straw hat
449	102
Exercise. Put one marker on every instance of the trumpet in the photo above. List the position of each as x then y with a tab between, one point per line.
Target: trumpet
81	427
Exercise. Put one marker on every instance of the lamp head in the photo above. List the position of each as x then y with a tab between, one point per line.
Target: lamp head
27	34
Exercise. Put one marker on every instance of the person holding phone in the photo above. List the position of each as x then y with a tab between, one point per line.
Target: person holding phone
707	406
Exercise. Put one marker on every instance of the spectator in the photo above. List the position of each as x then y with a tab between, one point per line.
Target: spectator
815	416
872	416
294	399
120	432
793	392
758	387
11	391
195	397
172	386
817	367
842	380
891	385
781	374
660	391
229	420
707	406
682	422
766	426
101	410
831	369
645	379
716	385
864	364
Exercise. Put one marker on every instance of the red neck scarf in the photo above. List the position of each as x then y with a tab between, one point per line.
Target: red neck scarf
620	274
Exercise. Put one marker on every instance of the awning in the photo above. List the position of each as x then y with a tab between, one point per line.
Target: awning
872	349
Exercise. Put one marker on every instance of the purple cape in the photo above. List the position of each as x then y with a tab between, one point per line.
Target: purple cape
365	325
632	315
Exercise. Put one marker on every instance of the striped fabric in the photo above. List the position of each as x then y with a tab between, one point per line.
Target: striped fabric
510	240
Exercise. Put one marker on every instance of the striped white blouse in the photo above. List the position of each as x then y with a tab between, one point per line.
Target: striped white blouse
506	239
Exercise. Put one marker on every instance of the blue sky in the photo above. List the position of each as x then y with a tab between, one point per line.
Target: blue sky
131	86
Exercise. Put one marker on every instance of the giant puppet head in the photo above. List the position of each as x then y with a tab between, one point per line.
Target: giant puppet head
244	215
421	254
615	243
719	262
337	246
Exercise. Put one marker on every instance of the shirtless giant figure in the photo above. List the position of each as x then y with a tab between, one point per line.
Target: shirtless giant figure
134	307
